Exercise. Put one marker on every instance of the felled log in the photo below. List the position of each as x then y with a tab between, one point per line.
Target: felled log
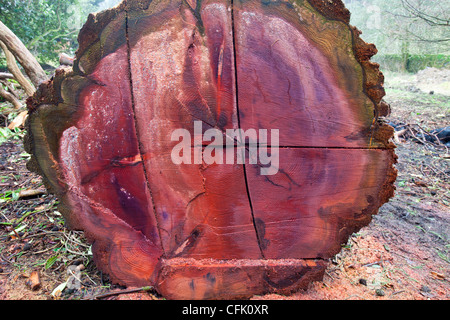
100	134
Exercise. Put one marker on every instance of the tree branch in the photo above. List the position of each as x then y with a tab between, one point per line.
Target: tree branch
29	63
430	19
6	75
14	69
10	97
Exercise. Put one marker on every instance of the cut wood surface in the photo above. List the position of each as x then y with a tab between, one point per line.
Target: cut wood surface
100	135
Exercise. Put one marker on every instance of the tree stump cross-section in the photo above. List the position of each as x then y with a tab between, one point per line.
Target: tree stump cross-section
100	134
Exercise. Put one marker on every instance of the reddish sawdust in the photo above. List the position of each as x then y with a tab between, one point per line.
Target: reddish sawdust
402	254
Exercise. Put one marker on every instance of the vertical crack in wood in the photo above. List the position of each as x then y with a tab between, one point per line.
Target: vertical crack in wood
137	132
258	238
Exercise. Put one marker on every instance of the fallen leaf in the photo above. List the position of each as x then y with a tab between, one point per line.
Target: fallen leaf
56	293
19	121
15	232
40	208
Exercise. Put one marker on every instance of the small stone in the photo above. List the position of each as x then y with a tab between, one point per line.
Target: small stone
426	289
379	292
363	281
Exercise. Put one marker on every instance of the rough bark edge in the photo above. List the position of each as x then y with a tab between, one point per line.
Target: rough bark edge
45	94
374	89
90	32
373	77
385	193
332	9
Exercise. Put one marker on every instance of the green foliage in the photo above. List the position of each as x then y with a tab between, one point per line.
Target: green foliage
9	196
6	134
51	261
414	63
47	27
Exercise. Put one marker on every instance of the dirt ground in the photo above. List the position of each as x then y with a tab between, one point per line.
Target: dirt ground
402	255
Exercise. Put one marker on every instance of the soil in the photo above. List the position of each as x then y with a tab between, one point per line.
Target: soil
403	254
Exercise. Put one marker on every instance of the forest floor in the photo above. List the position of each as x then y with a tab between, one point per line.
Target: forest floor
403	254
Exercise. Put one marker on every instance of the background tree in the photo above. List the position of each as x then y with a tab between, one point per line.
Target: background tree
405	29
